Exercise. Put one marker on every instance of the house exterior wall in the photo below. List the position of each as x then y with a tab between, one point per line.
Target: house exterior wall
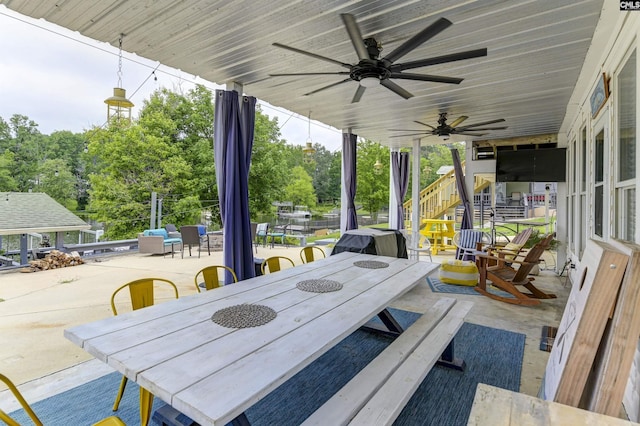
593	143
592	140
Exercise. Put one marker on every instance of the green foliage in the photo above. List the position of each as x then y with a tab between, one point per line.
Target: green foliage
324	168
132	162
328	170
269	173
300	190
7	181
56	180
372	189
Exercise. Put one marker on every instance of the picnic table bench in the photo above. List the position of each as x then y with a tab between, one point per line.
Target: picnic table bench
379	392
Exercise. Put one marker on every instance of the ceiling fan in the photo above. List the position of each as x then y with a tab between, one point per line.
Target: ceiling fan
370	70
444	130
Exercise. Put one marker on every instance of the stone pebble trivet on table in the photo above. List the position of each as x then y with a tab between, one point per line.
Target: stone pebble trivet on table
371	264
243	316
319	286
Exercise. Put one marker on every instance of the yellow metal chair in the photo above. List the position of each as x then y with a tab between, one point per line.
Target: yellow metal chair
109	421
142	295
272	264
209	277
307	254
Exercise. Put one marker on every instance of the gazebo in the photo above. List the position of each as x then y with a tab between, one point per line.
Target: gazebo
25	213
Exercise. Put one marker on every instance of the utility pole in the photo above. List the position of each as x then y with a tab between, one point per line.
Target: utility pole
152	221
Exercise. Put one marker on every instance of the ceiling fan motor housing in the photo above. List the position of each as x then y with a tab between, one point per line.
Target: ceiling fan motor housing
369	68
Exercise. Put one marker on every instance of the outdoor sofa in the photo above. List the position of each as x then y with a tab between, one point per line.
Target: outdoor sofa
159	241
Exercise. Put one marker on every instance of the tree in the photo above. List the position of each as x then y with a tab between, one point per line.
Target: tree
372	187
300	190
190	127
130	164
56	180
7	182
326	174
28	146
269	173
432	158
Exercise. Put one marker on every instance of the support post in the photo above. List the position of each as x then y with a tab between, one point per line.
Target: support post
415	193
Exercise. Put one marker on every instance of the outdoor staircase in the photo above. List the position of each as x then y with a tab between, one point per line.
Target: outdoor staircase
442	195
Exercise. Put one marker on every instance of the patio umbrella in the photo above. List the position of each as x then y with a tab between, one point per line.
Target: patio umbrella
349	158
400	169
467	219
233	140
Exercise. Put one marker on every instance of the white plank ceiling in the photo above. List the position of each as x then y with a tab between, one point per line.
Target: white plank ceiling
535	52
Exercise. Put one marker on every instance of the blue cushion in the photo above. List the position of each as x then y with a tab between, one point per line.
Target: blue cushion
172	240
157	232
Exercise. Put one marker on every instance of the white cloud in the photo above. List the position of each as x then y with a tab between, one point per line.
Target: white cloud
59	79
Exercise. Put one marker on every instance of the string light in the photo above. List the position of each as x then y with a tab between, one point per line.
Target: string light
118	106
309	150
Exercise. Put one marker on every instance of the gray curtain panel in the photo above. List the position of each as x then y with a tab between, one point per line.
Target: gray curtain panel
349	157
233	141
400	169
467	219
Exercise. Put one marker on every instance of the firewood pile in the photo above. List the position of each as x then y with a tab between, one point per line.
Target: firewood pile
53	260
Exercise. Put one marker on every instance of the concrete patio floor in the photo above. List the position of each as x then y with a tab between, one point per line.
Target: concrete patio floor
35	308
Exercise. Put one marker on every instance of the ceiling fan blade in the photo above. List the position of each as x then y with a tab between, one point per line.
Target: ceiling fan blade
327	87
395	88
355	35
469	54
411	134
313	55
359	92
415	41
425	124
468	134
458	121
500	120
424	77
309	73
482	128
406	130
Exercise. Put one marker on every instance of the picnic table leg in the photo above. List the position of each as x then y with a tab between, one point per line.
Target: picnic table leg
241	420
146	405
448	359
390	326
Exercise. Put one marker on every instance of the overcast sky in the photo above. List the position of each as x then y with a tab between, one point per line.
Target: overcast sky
60	79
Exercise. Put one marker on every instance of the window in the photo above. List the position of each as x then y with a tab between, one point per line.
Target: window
582	227
626	147
598	197
571	203
583	160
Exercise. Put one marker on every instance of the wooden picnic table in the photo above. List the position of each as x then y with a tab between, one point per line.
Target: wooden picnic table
212	373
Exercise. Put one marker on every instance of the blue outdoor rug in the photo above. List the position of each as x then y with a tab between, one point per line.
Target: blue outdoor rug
438	286
444	398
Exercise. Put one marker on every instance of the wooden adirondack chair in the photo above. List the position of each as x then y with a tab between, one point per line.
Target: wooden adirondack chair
511	249
507	278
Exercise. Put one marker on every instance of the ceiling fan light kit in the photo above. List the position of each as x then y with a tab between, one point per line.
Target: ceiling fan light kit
371	70
369	82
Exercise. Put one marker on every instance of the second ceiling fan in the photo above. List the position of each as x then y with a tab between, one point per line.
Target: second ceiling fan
370	70
444	130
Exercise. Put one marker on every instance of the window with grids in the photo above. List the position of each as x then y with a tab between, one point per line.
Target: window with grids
598	195
583	192
626	150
